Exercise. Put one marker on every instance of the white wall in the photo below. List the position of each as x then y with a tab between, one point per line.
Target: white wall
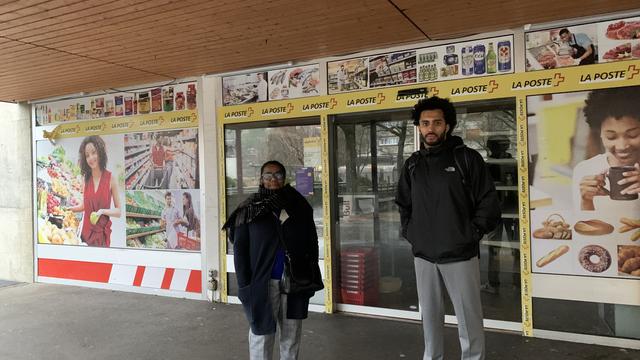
16	216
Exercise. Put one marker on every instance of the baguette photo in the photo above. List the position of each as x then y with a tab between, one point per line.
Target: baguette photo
630	225
553	255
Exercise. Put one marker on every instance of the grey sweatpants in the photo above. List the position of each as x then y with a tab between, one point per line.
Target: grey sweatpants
462	281
261	346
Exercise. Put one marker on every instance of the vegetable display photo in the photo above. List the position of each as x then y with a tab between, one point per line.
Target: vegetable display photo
163	219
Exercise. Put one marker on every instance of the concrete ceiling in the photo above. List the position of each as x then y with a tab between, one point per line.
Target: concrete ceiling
55	47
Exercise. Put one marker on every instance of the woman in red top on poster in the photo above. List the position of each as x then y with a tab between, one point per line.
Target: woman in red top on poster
99	189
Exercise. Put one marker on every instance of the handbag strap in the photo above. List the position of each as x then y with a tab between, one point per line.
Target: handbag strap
281	236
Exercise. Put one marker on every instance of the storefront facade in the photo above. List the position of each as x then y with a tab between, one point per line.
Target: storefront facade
181	156
344	151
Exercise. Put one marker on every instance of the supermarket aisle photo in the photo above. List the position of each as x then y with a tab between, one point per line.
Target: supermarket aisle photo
162	160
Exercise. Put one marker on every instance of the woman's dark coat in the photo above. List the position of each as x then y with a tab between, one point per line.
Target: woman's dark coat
255	244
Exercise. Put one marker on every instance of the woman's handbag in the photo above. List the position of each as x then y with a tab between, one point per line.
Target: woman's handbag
301	275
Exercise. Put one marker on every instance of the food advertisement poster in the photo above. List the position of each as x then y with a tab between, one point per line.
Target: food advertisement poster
606	41
392	69
463	60
561	47
245	88
348	75
619	40
161	160
153	100
585	219
131	190
294	82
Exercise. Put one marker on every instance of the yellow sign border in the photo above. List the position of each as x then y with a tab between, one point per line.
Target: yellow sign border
118	125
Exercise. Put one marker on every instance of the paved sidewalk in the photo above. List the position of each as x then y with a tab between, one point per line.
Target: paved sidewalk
39	321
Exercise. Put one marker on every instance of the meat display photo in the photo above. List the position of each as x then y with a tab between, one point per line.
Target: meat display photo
562	47
619	39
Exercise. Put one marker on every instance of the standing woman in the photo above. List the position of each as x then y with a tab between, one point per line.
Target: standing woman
258	228
189	218
100	188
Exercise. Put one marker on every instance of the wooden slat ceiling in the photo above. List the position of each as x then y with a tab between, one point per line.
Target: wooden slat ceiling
56	47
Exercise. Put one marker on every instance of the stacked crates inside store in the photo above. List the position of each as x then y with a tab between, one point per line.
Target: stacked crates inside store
359	276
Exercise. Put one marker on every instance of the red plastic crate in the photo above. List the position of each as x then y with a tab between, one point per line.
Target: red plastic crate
359	297
358	253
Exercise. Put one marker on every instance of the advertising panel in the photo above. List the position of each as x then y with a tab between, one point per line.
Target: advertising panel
245	88
606	41
348	75
586	220
159	100
101	186
294	82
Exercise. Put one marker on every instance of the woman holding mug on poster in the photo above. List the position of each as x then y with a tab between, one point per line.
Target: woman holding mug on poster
276	218
614	114
100	188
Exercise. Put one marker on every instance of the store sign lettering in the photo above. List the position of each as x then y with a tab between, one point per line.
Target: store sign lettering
274	111
124	125
236	114
180	119
69	131
532	84
316	106
362	101
603	76
411	97
150	122
468	90
94	128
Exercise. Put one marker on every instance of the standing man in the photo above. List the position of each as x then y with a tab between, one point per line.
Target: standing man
583	50
156	174
170	221
262	87
342	77
447	202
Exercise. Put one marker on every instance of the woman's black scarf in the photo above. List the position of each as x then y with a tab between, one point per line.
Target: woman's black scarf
264	202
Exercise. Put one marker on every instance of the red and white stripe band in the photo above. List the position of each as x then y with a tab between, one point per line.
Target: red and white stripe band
129	275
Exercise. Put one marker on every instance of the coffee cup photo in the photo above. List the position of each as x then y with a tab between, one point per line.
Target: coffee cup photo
615	174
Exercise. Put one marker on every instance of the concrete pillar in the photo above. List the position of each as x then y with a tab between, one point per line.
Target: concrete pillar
16	193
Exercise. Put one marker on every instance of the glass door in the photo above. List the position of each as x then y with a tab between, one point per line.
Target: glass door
489	127
372	264
294	143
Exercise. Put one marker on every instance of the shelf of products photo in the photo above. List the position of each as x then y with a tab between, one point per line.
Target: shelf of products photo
142	216
137	160
135	150
134	236
135	179
395	73
411	57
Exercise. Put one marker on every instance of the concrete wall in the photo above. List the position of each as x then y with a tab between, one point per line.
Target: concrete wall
16	199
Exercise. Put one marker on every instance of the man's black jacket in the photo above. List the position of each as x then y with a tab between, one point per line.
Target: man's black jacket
443	217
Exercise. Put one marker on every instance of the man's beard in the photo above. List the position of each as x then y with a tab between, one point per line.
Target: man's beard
438	141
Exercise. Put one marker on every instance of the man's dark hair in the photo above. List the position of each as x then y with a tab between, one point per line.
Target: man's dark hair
276	163
613	102
167	194
436	103
564	31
